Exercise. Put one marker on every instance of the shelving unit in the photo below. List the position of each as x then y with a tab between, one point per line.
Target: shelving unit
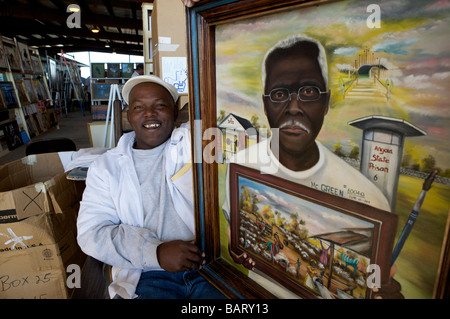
103	75
25	101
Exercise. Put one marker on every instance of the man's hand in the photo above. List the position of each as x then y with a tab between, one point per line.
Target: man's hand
178	255
391	290
189	3
242	259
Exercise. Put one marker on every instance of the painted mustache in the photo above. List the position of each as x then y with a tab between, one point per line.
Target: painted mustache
293	124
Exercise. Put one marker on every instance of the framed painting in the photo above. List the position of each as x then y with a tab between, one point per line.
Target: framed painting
318	93
36	119
21	90
3	59
24	57
29	87
98	70
293	232
43	89
11	55
127	70
100	91
36	64
12	133
38	90
52	119
9	95
114	70
30	125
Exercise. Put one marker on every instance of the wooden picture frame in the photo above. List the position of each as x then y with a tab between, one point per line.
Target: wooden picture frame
12	133
297	258
11	55
203	22
43	89
37	90
37	121
23	53
2	103
21	90
96	132
127	70
9	95
114	70
32	130
36	64
51	117
98	70
30	89
3	59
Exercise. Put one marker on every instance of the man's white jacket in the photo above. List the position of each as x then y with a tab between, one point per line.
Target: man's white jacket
113	197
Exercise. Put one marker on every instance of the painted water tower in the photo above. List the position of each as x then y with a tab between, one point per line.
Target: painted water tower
382	150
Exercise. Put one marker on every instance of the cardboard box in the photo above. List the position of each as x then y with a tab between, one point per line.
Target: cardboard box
33	273
38	212
38	230
168	27
24	186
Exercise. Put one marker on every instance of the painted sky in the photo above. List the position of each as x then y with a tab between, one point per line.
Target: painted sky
319	219
412	42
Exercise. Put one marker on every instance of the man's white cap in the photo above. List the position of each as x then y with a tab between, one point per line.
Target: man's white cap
131	83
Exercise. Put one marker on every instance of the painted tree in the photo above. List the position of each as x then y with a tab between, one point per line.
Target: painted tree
245	202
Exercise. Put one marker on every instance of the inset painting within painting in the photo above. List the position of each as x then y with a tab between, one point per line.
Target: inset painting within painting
304	241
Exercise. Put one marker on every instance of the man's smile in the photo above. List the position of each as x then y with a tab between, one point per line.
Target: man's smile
152	125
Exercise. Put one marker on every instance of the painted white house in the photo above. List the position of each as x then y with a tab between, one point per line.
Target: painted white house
237	133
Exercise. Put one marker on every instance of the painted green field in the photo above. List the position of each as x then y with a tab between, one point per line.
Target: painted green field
419	260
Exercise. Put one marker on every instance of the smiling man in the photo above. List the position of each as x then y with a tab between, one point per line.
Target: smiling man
151	113
137	209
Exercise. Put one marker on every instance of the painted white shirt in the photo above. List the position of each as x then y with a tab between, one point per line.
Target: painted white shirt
330	174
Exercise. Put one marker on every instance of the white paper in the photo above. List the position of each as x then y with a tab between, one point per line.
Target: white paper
174	71
168	47
164	40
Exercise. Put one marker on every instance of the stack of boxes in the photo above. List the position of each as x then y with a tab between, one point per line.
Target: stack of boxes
38	211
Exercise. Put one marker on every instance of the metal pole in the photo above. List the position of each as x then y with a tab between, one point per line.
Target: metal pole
111	93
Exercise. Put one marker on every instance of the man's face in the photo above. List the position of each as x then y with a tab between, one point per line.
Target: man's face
299	122
151	114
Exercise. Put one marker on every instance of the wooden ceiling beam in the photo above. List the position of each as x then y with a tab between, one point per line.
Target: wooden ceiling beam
83	42
13	27
46	14
134	8
108	7
56	50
